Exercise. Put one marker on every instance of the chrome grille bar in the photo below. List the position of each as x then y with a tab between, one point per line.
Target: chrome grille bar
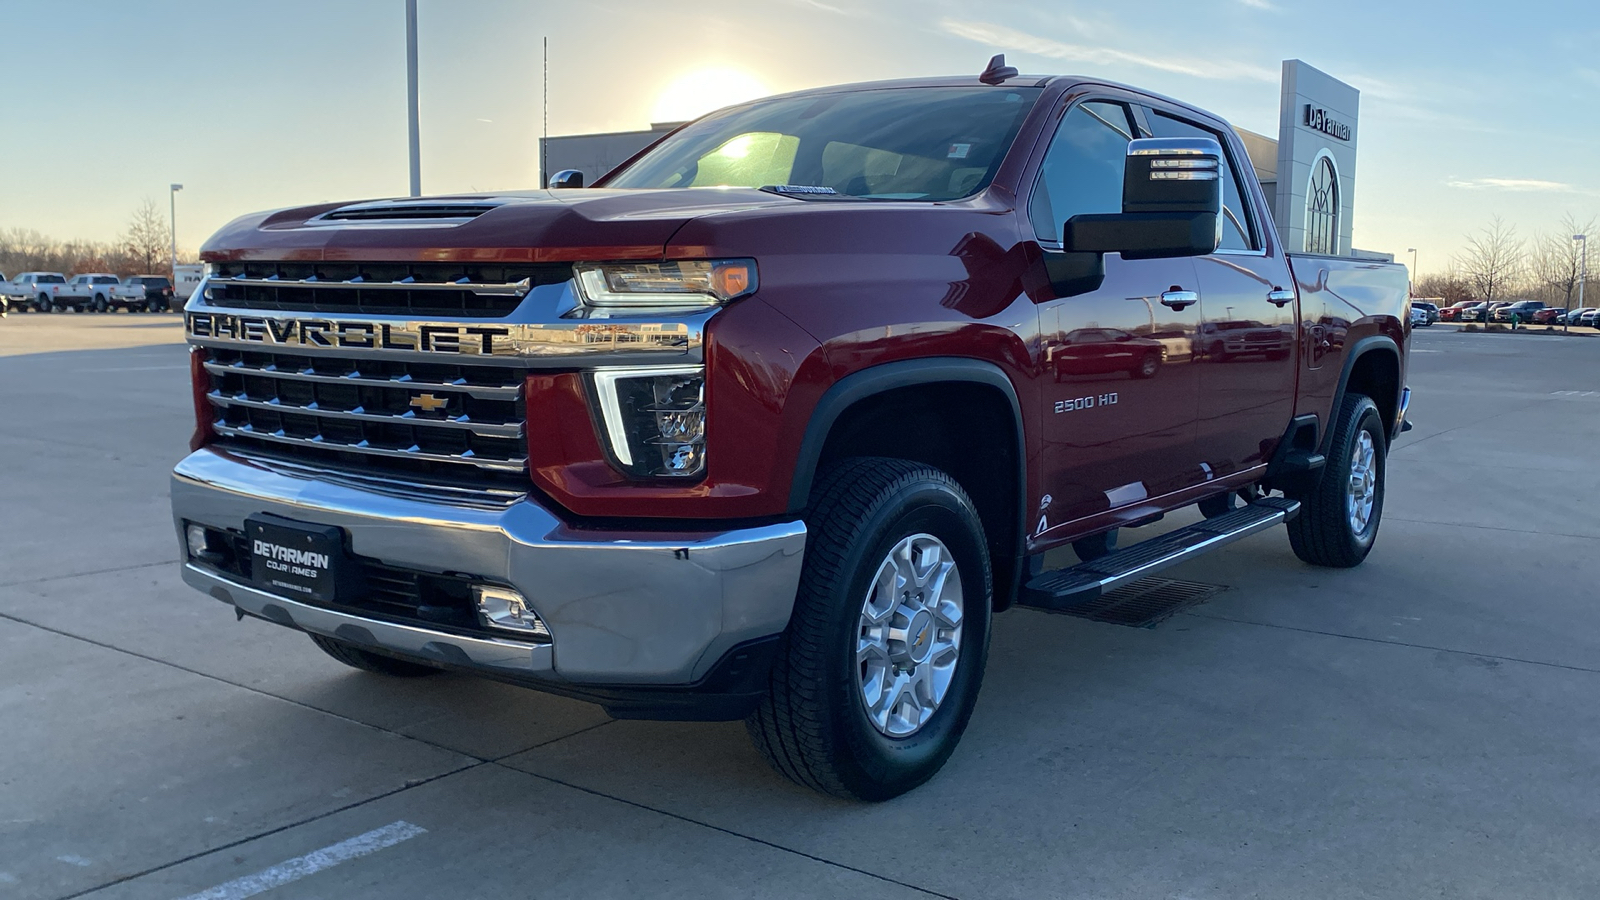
415	453
487	429
483	392
514	289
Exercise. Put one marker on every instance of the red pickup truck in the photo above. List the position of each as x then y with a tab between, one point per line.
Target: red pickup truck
769	422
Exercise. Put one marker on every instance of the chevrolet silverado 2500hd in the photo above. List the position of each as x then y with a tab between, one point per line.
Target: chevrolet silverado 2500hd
771	420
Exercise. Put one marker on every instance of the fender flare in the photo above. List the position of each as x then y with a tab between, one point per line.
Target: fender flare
1368	344
869	382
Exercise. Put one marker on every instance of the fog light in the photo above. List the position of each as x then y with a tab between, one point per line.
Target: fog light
506	609
196	535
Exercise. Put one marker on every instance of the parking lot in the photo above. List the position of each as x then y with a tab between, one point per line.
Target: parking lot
1424	725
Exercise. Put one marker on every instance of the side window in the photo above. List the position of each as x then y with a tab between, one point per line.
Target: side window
1237	233
1082	171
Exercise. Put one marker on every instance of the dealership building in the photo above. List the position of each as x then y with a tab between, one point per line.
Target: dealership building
1308	171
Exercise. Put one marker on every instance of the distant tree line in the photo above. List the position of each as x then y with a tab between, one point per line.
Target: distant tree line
1498	264
144	248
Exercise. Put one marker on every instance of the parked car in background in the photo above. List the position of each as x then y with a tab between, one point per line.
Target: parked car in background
1521	310
1430	311
1587	318
1419	317
1572	317
185	279
158	291
98	292
1550	315
1453	312
33	290
1474	312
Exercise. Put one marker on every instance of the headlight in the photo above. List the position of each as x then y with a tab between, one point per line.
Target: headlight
655	419
687	283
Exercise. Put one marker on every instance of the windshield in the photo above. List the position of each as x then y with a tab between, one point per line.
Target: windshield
892	144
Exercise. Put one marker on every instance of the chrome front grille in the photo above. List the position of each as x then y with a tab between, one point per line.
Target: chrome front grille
399	289
419	419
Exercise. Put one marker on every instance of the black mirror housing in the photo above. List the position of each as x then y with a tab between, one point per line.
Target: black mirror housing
1171	203
566	178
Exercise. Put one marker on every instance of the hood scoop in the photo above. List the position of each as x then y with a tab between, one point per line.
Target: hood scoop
415	212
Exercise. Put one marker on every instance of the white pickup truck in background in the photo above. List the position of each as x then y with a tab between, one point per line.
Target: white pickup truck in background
98	292
32	290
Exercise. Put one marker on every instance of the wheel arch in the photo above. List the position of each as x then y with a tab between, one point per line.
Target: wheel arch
919	410
1372	367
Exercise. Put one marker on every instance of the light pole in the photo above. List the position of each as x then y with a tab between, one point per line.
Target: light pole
172	220
1583	270
411	97
1413	252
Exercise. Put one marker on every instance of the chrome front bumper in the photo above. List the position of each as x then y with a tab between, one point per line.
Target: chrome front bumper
624	608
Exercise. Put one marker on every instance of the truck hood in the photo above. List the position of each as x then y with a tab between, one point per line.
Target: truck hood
525	227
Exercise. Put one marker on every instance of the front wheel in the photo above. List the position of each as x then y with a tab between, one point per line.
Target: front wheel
879	670
1338	519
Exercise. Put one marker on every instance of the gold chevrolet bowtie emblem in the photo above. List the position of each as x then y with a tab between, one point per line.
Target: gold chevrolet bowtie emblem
428	402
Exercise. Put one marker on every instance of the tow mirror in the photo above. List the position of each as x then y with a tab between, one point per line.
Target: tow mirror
1171	203
566	178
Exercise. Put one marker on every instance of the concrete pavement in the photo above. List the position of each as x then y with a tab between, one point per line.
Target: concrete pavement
1420	726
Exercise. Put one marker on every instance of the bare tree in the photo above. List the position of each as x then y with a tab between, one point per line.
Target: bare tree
1493	260
1451	286
146	239
1557	260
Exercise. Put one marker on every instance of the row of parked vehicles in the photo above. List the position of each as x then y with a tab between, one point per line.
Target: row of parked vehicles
89	292
1525	312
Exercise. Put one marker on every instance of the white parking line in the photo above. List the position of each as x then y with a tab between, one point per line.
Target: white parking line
313	862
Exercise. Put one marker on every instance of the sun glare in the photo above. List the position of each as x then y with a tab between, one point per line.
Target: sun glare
697	93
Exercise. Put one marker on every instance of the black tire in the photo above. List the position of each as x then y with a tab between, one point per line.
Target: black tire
1323	533
812	724
44	305
367	661
100	304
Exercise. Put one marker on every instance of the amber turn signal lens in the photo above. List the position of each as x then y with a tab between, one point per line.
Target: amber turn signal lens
731	279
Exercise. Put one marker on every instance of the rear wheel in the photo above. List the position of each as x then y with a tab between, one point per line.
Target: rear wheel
1338	519
367	661
43	304
1149	365
879	670
100	304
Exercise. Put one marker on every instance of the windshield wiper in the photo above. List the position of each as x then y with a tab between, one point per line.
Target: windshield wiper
805	192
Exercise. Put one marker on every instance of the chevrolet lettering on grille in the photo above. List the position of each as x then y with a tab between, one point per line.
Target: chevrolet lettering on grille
477	340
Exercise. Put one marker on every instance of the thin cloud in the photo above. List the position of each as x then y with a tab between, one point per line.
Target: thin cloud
827	8
1260	4
1009	38
1532	185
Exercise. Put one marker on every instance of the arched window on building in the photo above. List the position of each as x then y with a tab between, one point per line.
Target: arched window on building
1322	209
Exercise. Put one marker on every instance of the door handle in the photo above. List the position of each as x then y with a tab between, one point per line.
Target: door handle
1280	297
1178	299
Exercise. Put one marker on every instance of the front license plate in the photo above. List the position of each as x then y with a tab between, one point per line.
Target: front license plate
293	559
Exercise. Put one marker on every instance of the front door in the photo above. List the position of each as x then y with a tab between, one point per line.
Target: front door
1119	376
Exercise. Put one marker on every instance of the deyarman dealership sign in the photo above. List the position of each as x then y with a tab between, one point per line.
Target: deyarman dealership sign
1319	119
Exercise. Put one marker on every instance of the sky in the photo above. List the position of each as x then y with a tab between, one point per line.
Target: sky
1469	109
